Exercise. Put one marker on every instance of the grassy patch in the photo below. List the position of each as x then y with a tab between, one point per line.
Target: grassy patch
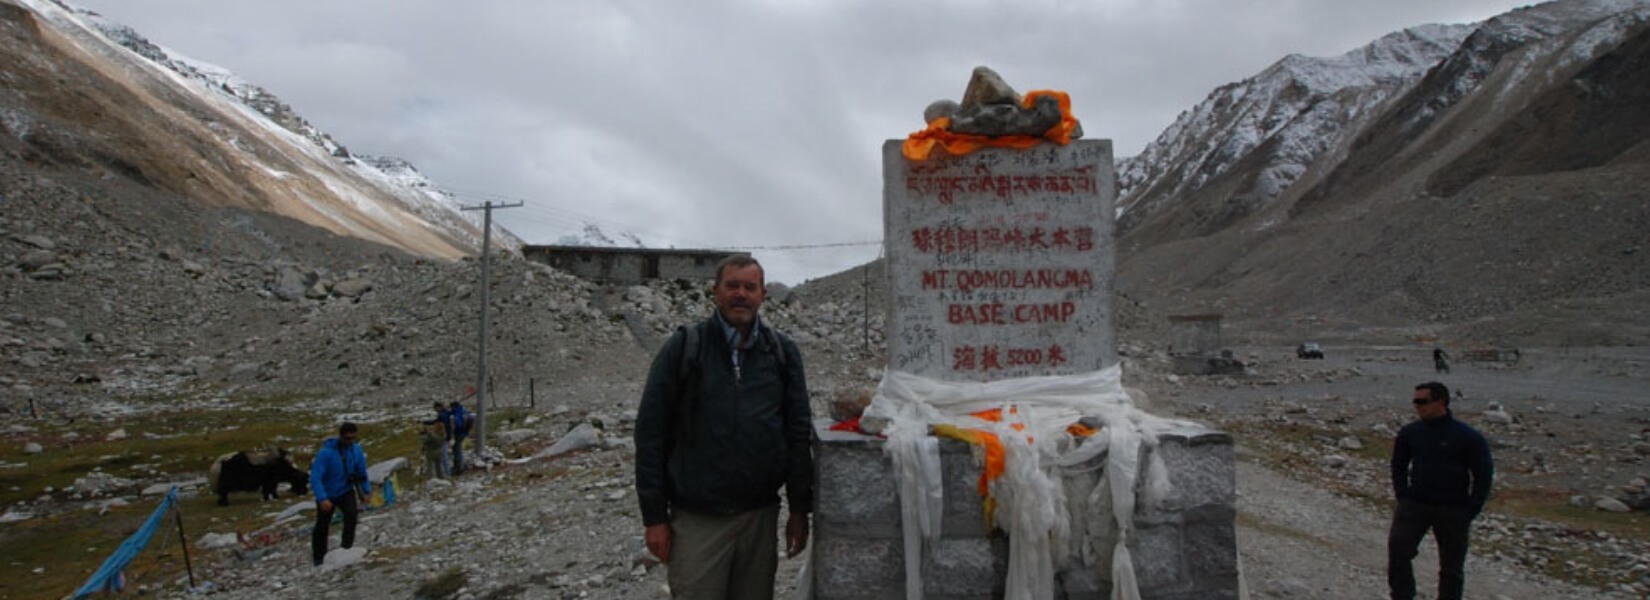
1553	506
49	557
177	444
54	552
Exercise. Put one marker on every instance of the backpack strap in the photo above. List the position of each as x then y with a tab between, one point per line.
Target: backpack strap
687	384
690	353
774	345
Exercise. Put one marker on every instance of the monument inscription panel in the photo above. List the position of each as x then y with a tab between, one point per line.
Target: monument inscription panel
1000	261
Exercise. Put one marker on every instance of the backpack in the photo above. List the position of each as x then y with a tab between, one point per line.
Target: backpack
462	420
687	373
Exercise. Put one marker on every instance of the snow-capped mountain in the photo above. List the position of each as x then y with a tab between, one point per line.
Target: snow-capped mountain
231	142
1249	141
1255	141
1490	81
1487	176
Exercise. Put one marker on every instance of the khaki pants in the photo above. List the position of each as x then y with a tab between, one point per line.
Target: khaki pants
716	557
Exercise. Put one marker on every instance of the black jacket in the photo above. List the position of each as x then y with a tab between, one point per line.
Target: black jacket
1442	462
751	431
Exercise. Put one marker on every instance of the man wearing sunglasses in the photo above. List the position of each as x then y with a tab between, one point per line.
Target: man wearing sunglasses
339	477
1441	475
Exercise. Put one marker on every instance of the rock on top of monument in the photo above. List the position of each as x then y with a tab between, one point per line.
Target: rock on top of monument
990	107
986	87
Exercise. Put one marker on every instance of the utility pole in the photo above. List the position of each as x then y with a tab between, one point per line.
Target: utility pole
881	254
481	352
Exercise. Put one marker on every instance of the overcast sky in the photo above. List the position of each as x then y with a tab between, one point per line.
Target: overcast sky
729	123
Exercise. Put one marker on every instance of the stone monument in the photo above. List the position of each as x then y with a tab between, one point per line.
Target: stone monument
1000	263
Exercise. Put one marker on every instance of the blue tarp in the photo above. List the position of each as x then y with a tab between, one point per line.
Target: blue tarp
109	576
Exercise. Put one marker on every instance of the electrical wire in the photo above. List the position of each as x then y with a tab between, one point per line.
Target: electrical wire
552	216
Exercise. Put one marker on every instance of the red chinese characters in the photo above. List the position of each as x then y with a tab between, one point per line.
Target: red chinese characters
991	357
953	240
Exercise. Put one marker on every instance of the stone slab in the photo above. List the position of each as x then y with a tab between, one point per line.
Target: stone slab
1000	261
845	497
1201	469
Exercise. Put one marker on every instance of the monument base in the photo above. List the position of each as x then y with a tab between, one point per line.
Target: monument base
1184	548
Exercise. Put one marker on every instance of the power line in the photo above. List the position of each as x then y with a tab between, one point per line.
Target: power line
553	215
809	246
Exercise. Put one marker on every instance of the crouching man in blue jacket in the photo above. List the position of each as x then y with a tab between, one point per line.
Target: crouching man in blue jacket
1441	474
339	477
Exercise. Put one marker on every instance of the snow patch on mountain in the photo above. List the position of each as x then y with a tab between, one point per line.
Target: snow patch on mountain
593	235
343	174
1294	110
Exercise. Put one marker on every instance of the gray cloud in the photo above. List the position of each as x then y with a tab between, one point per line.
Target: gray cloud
726	122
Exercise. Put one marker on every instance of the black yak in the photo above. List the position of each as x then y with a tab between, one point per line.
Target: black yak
261	471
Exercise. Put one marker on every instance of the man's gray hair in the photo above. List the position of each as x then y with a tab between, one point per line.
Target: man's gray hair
738	261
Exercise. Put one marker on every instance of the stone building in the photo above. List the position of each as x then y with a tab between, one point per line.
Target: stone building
629	266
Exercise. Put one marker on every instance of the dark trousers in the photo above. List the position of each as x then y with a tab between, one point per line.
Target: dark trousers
1450	526
323	521
458	455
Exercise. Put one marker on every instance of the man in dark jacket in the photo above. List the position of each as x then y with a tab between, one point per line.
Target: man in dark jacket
339	477
1441	475
724	423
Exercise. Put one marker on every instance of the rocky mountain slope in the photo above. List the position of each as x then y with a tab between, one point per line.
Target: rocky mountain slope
1243	146
1490	200
95	95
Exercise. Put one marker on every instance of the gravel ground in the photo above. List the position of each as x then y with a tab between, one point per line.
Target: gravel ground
1311	530
567	526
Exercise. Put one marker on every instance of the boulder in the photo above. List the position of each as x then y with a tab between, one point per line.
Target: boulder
289	284
1609	504
986	87
38	241
34	260
583	436
352	288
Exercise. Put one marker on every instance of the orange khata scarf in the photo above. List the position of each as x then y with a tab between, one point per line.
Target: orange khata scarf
920	143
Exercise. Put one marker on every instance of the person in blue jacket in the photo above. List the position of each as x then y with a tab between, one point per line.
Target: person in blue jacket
459	429
339	477
1441	475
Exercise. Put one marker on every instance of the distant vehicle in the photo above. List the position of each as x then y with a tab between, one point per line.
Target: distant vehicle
1309	350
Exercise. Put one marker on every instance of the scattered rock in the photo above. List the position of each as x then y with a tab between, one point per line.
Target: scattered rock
1609	504
218	540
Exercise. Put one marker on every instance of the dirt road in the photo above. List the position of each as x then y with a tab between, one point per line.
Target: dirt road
1298	540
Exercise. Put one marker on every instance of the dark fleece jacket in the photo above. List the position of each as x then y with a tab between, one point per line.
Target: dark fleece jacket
1442	462
751	429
